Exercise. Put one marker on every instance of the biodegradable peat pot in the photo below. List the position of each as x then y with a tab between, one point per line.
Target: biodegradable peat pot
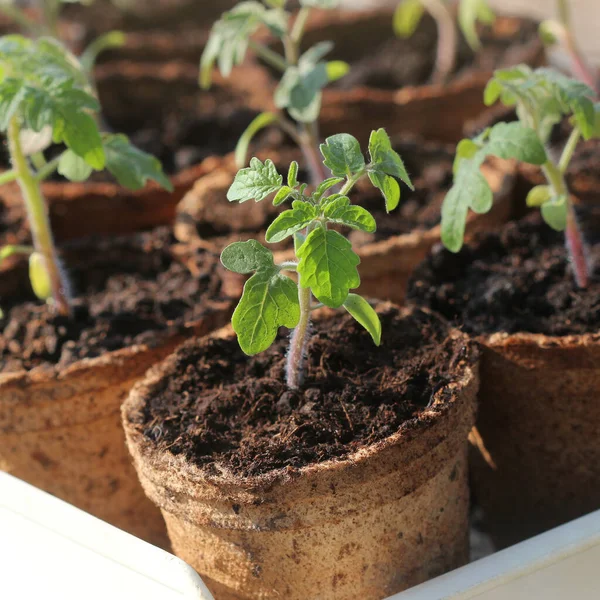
537	457
389	256
62	381
354	487
164	112
388	84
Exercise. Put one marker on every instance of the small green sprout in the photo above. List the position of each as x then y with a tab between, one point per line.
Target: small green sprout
303	76
326	265
409	13
542	98
49	26
560	31
45	93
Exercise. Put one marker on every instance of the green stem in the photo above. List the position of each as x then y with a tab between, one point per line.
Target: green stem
569	150
38	217
575	243
300	25
48	169
8	176
297	352
447	44
351	182
271	58
15	249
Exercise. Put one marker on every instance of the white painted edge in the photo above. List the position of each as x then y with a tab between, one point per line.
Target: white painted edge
511	564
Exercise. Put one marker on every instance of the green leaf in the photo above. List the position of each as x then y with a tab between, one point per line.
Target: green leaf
132	167
255	182
336	69
259	122
299	239
513	140
269	301
342	155
73	167
539	195
465	149
365	314
454	219
39	276
469	13
342	212
283	194
292	177
328	266
326	185
79	131
384	159
389	187
246	257
407	16
300	91
291	221
554	212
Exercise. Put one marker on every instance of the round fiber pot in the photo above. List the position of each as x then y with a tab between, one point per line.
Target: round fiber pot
355	486
382	90
388	256
62	381
536	452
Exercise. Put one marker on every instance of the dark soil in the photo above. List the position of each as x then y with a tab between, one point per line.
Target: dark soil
392	63
518	280
223	410
126	291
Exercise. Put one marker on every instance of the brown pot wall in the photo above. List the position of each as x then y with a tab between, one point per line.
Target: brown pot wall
60	430
387	518
536	458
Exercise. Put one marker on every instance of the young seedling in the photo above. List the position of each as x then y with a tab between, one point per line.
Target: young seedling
48	25
542	97
326	264
303	75
409	13
44	89
560	31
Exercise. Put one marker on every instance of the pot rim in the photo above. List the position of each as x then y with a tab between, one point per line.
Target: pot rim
163	459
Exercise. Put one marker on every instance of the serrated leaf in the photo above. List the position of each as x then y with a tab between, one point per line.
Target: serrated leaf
389	188
283	194
326	185
384	159
336	69
255	182
554	212
342	155
132	167
539	195
513	140
407	16
73	167
291	221
259	122
342	212
328	266
246	257
470	12
269	301
364	314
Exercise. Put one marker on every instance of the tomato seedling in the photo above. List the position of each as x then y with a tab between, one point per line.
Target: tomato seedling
303	76
409	13
542	98
326	264
45	93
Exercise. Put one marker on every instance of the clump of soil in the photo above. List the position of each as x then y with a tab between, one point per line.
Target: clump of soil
224	410
126	291
518	280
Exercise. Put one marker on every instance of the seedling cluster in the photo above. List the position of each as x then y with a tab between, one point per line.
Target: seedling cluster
542	98
409	13
45	97
303	76
326	264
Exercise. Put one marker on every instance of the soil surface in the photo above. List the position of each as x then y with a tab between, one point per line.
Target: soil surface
223	410
518	280
130	290
393	63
